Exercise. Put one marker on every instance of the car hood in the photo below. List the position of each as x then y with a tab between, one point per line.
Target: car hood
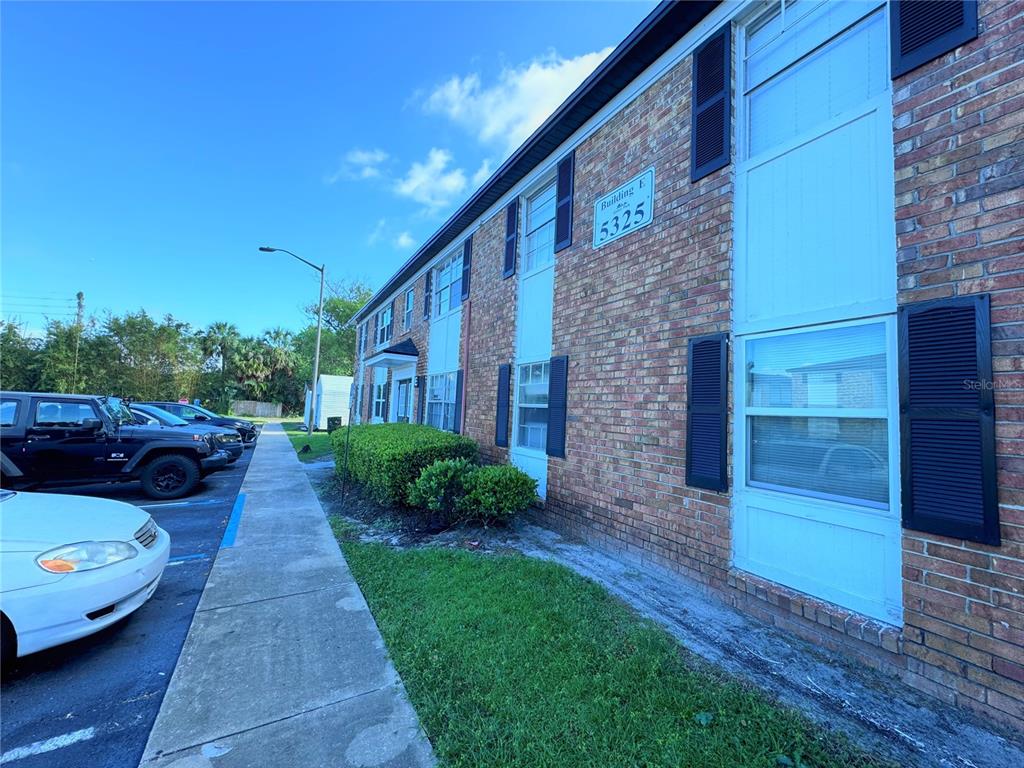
156	432
236	423
202	428
35	522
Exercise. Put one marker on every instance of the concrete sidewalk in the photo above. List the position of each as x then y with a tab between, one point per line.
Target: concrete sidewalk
283	664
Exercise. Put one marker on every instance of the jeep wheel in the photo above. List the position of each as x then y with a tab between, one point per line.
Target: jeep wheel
168	477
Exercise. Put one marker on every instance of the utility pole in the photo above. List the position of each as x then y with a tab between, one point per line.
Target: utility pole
79	320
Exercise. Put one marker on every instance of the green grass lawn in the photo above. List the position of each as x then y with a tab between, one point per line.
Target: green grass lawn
319	443
512	661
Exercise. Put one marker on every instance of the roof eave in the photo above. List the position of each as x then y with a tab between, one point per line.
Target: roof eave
666	24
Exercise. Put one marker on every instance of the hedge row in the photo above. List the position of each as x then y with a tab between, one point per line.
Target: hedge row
386	458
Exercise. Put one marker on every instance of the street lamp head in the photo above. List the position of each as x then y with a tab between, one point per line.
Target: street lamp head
266	249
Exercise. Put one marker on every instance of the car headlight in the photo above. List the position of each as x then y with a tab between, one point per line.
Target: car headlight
229	438
85	556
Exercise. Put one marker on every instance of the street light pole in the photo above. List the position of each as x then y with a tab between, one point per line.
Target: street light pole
316	357
319	324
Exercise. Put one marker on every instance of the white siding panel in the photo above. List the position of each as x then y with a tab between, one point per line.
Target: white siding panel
840	554
443	354
818	247
535	313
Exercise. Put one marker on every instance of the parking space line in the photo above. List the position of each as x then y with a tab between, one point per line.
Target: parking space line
232	529
195	503
183	558
48	745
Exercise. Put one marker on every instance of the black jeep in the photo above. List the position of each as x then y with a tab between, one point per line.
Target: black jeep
51	439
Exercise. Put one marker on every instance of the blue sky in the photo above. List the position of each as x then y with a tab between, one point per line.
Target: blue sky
149	148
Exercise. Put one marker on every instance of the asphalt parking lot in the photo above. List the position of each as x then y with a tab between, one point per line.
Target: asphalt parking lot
93	702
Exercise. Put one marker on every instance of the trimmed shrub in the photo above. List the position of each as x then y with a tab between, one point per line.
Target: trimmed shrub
440	487
386	458
497	493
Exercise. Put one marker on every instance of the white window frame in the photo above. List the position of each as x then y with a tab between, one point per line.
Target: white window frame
547	183
452	265
365	332
384	325
741	434
515	420
403	403
379	401
447	425
410	302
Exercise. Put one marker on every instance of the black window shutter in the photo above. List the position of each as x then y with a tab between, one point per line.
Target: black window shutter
387	400
563	204
376	319
421	398
511	233
706	413
501	413
558	385
391	322
947	424
710	112
467	265
457	426
923	30
428	295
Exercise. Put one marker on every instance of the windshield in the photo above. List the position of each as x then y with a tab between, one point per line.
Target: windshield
165	417
211	414
118	412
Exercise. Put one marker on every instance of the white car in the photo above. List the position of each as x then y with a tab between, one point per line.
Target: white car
72	565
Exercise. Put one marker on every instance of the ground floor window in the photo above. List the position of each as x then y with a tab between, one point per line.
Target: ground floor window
404	399
532	406
441	401
379	400
817	414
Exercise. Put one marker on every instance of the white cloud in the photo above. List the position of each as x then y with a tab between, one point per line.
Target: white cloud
506	112
433	183
377	233
359	164
404	241
483	173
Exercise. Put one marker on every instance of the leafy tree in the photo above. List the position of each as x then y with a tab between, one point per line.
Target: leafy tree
20	359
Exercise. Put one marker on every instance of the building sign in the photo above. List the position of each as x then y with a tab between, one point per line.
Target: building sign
625	209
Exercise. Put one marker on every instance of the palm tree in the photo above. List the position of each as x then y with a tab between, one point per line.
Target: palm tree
218	342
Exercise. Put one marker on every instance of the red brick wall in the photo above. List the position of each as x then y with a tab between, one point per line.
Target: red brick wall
490	320
959	140
419	333
624	315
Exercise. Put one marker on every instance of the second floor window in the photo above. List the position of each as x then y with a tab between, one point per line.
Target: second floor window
540	230
384	325
448	284
409	301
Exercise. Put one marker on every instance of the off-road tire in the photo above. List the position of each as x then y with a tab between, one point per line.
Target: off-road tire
170	476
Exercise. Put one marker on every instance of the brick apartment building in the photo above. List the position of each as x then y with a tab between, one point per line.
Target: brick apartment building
750	306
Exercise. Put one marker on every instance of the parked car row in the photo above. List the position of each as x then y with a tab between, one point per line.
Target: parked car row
56	439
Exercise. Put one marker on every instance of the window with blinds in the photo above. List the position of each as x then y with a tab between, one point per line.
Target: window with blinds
817	414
